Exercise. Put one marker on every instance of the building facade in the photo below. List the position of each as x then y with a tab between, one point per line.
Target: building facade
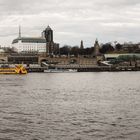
29	45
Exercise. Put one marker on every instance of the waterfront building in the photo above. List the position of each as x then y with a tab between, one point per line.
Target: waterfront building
35	44
29	45
108	57
23	58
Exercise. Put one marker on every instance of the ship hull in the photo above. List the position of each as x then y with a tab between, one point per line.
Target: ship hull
16	70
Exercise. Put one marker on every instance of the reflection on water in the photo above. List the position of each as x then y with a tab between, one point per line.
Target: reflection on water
70	106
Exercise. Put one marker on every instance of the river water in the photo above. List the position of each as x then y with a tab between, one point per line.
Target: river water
70	106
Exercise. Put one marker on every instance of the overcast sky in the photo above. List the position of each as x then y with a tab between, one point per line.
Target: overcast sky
71	20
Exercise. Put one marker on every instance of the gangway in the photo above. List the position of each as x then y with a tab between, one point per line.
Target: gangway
45	64
105	63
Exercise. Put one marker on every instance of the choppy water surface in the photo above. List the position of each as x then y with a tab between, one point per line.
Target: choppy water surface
70	106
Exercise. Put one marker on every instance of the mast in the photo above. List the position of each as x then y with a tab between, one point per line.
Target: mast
19	35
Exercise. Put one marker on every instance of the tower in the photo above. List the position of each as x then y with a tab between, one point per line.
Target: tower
48	34
96	48
81	45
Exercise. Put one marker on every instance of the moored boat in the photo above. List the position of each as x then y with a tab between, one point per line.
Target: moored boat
18	69
60	70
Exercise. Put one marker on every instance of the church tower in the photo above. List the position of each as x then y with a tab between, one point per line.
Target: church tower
96	48
81	45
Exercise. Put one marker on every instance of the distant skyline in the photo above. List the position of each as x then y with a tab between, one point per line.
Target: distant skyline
71	20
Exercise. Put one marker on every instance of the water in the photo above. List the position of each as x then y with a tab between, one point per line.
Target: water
70	106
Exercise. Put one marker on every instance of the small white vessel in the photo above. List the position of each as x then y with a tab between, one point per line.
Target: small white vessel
60	70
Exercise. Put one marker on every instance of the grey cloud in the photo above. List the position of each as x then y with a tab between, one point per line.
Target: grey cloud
72	20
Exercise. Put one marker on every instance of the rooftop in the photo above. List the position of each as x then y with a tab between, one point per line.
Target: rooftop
29	40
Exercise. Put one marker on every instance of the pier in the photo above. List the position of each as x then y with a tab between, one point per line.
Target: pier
84	68
94	68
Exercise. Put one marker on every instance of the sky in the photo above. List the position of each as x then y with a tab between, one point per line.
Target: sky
71	20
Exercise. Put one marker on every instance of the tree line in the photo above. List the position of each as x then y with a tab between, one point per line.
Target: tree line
104	48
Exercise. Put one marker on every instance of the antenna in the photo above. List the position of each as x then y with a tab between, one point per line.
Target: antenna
19	32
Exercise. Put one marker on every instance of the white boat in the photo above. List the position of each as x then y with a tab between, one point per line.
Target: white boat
60	70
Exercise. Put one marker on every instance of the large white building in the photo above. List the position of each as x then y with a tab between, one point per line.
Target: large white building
33	44
29	44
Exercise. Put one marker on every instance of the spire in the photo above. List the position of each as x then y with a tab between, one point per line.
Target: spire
96	41
48	28
19	32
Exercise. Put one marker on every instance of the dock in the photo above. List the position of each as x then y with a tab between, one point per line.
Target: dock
36	69
85	68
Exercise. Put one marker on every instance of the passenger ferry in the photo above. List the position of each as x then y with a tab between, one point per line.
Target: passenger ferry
17	69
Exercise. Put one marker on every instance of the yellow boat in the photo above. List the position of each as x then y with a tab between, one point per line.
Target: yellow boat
18	69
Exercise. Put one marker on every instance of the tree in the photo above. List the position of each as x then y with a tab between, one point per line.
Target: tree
118	47
65	50
74	50
106	48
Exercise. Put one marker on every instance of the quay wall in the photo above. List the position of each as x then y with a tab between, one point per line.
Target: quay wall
61	60
66	61
85	68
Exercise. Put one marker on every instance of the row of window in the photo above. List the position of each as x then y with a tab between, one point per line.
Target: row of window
30	47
